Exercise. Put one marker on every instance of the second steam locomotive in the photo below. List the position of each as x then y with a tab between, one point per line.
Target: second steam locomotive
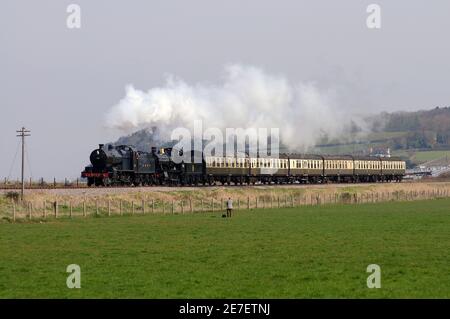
125	165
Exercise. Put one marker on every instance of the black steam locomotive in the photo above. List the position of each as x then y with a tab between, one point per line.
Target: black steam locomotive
124	165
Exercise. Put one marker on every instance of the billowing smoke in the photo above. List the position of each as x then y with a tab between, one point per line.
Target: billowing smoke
248	97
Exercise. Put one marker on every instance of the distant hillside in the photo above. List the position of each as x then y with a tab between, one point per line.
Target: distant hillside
423	129
416	136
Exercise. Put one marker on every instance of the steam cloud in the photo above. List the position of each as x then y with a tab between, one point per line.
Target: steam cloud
248	97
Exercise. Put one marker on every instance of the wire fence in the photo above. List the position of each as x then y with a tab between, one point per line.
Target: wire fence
42	184
30	210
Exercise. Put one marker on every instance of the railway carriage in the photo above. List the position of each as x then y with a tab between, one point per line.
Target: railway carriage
338	168
367	169
392	169
268	170
226	169
306	168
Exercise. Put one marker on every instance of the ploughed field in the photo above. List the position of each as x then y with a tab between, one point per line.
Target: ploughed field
301	252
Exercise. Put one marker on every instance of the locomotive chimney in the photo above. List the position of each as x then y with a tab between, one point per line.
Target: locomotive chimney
100	146
153	150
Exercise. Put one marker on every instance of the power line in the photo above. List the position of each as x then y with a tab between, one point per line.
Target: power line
28	162
14	161
22	134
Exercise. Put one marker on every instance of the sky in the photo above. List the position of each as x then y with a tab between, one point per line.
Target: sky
61	83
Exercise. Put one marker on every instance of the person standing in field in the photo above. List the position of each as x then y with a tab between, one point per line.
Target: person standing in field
229	206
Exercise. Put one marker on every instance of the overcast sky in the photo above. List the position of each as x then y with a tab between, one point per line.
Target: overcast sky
61	82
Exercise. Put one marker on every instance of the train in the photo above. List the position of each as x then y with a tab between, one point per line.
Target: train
124	165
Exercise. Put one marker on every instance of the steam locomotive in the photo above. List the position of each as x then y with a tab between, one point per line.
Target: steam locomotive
125	165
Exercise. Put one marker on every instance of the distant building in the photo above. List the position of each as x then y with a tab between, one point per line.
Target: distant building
380	151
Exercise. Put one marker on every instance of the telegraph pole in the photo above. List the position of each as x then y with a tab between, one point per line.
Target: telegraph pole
23	133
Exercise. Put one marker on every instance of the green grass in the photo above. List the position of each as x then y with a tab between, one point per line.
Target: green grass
425	156
272	253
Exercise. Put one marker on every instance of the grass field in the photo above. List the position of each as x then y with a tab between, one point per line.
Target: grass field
310	252
426	156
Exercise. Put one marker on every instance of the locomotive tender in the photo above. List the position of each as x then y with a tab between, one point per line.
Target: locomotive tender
124	165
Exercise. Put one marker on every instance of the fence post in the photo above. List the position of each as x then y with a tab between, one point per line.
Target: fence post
278	201
221	203
173	207
70	209
256	201
212	204
143	207
120	208
153	206
201	203
56	209
109	207
190	205
292	201
96	207
132	207
84	208
29	210
14	211
182	207
44	209
239	204
271	201
248	202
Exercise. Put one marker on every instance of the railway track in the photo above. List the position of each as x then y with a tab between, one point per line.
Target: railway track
84	186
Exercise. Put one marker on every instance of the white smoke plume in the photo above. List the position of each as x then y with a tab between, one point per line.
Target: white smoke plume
248	97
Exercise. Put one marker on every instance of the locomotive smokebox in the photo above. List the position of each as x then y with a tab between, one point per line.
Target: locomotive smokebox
98	158
153	150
